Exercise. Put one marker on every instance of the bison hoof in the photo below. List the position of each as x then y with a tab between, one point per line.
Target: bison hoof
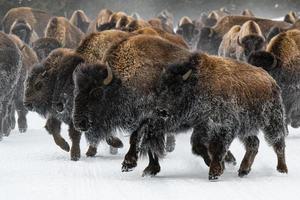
22	130
129	164
230	159
112	150
282	169
151	170
65	146
75	155
212	177
243	172
114	142
92	151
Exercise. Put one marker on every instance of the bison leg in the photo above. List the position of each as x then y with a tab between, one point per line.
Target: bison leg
53	128
279	148
6	126
153	167
92	151
131	156
251	144
114	143
218	147
22	112
199	140
75	137
170	143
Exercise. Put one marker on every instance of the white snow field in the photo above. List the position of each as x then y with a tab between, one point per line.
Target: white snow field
32	167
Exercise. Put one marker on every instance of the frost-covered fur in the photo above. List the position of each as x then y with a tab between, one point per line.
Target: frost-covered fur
10	69
221	99
282	60
29	58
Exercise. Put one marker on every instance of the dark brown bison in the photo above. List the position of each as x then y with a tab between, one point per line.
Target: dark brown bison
80	20
37	19
221	99
281	59
211	37
10	70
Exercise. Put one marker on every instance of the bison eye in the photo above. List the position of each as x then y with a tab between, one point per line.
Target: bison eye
38	86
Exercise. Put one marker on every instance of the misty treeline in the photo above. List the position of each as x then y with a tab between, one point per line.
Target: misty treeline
149	8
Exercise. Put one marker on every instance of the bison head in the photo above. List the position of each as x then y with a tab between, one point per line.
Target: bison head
249	44
38	89
22	29
94	89
174	89
264	59
190	33
44	46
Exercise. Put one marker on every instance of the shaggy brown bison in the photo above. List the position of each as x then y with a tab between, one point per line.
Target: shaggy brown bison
24	31
80	20
221	99
37	19
188	30
241	41
211	37
281	59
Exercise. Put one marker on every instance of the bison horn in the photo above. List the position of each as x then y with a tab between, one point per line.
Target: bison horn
22	47
109	77
187	75
239	42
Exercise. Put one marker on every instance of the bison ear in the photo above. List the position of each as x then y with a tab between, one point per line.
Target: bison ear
264	59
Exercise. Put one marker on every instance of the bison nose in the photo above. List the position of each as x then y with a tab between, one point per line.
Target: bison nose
28	106
59	107
83	125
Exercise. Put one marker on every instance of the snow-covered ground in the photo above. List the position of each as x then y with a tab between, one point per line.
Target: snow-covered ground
32	167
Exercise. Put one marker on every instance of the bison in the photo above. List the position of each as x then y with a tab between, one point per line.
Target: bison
80	20
24	31
102	18
281	60
211	37
240	41
37	19
221	99
188	30
10	70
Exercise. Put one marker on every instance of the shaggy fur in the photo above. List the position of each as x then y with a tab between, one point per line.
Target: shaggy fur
211	37
157	23
135	25
240	42
68	35
116	20
221	99
10	70
102	18
24	31
166	18
281	60
188	30
36	18
44	46
29	58
80	20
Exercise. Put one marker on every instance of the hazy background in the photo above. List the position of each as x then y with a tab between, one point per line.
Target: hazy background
149	8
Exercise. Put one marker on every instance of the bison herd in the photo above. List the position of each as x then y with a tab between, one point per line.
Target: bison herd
225	75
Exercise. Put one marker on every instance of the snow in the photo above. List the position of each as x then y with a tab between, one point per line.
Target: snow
32	167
